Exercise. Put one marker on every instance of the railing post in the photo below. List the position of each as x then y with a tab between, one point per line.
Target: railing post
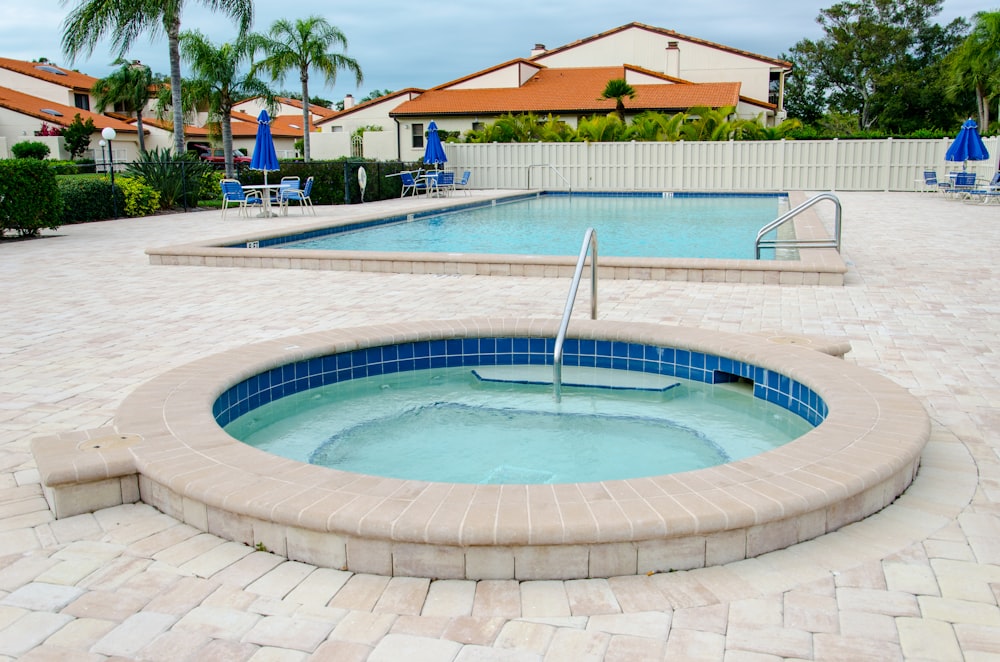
589	244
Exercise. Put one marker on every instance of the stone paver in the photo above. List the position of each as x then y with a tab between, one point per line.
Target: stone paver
921	580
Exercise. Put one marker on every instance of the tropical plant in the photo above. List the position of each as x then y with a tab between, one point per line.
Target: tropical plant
129	84
708	123
300	46
554	130
49	130
618	89
30	150
30	195
177	177
77	135
654	126
124	20
600	128
220	83
975	65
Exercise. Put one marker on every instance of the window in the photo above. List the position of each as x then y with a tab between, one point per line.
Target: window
336	128
81	101
774	88
478	126
418	135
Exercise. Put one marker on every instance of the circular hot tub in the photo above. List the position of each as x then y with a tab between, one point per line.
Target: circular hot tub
863	452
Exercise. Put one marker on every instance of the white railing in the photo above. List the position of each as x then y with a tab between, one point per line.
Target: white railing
779	165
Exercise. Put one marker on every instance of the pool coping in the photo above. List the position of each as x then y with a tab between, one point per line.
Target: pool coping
814	266
166	449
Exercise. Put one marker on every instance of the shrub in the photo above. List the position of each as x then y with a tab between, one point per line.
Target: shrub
177	178
140	199
87	199
64	167
30	197
30	150
210	186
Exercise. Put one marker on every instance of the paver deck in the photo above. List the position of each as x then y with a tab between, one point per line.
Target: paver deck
86	320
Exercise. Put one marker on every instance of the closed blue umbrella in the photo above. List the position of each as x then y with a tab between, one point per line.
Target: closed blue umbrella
968	146
264	157
434	152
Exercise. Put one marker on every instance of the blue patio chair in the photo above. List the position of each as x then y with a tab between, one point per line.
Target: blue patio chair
302	196
463	183
412	184
446	182
931	184
984	191
233	193
963	184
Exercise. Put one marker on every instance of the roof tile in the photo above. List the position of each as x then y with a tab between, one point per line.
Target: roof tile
570	90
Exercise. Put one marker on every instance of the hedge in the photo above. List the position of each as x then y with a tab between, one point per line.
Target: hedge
30	199
88	199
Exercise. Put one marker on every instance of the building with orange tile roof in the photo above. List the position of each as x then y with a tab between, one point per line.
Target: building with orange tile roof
669	71
37	93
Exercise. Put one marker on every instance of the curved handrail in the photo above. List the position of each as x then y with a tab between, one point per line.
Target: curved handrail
801	243
551	167
589	244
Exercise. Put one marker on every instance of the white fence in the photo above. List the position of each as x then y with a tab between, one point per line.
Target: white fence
785	165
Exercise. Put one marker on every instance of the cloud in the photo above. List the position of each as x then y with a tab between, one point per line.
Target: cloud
405	45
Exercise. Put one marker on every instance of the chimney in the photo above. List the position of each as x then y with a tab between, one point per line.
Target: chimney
537	50
348	101
673	60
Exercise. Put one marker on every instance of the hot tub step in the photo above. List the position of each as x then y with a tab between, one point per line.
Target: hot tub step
576	376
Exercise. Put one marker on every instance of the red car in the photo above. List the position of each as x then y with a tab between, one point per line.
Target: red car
218	157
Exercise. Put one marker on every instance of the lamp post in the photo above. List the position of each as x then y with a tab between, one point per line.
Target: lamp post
104	154
109	135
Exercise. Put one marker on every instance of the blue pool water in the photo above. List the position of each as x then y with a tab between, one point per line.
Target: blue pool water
447	425
721	227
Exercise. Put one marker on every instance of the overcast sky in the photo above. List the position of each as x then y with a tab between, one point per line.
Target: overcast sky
422	44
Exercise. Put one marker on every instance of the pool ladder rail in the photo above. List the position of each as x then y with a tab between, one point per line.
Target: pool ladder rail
589	245
569	187
833	242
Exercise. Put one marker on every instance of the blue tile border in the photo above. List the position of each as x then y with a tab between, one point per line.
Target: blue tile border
291	378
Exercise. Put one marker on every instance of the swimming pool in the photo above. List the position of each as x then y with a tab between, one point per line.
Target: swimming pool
259	249
688	225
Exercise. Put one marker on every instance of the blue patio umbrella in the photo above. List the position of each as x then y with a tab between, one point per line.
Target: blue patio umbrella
968	146
264	157
434	152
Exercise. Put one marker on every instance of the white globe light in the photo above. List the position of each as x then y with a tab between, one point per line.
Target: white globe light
108	133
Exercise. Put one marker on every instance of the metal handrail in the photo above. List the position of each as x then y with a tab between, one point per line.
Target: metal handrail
801	243
589	243
553	169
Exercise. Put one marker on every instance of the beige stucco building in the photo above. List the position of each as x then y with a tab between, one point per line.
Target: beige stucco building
670	72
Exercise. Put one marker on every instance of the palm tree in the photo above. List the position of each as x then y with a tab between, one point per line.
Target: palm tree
218	81
303	45
124	20
975	64
129	84
617	89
